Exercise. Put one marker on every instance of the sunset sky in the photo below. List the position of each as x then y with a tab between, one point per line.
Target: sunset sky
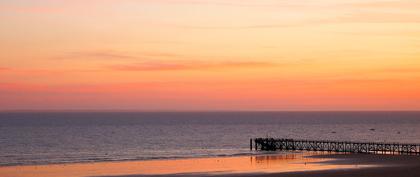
209	55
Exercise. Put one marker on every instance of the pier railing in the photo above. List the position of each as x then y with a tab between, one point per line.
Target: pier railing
272	144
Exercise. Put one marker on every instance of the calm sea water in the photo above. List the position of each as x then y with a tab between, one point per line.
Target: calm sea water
43	138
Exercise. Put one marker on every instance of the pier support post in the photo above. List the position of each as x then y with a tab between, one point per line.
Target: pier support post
250	144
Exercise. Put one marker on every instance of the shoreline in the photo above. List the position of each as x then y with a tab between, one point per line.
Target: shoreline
258	153
370	165
295	164
262	163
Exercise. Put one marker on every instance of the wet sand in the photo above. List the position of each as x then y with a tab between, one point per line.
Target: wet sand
365	165
276	165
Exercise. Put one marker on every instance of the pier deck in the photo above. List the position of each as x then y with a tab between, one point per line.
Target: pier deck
272	144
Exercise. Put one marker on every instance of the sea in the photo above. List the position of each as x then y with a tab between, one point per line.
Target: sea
35	138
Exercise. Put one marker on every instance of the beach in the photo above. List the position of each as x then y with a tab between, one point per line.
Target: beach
272	165
346	165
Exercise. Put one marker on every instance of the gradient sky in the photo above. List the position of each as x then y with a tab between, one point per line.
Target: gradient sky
210	54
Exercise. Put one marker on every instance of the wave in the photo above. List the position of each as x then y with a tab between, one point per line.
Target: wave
14	160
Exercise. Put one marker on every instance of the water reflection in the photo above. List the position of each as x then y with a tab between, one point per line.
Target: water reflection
289	162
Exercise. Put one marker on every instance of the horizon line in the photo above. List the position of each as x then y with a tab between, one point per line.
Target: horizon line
186	111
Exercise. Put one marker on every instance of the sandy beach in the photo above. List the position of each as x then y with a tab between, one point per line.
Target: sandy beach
364	165
273	165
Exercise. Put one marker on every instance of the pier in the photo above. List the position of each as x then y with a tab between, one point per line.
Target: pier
272	144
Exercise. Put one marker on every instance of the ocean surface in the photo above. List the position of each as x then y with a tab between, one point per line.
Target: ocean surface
29	138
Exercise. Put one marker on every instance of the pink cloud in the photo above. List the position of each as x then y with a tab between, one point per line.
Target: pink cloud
188	65
44	72
105	54
31	9
401	70
112	55
405	4
254	95
380	17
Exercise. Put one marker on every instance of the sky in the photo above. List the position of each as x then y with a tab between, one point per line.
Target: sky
289	55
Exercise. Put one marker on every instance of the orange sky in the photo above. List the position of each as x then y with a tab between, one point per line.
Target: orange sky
210	54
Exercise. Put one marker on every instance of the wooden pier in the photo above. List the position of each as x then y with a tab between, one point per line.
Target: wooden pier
271	144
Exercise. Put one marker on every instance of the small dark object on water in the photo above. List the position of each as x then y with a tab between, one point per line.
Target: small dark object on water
372	129
333	132
399	132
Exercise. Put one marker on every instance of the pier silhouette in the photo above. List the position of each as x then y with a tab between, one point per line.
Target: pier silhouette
272	144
